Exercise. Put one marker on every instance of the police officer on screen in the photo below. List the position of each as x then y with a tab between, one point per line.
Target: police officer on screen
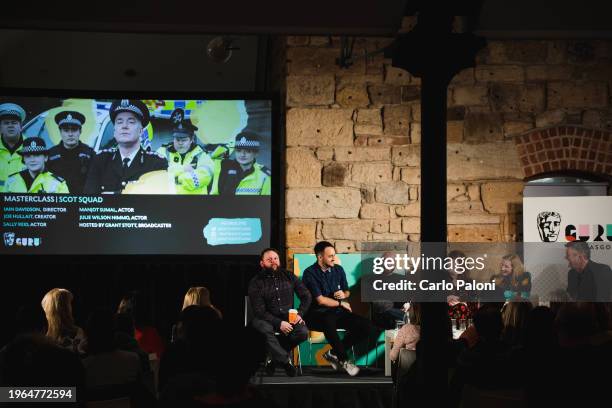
71	158
35	178
191	167
11	140
214	151
243	175
112	169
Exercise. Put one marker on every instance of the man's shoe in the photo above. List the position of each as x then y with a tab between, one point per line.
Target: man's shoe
290	369
270	367
350	368
332	360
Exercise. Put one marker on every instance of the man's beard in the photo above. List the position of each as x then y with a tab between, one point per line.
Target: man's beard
273	268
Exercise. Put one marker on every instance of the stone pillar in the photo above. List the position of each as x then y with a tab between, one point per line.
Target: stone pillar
433	53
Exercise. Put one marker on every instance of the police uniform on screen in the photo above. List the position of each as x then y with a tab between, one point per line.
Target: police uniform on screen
37	180
12	117
109	172
196	178
71	163
214	151
234	176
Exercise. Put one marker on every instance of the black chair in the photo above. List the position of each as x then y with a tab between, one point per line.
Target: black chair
248	317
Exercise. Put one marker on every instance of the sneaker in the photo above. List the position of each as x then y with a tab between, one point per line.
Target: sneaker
332	360
350	368
290	369
270	367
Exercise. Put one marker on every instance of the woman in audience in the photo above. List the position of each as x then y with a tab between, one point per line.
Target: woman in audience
513	280
409	335
199	296
146	335
515	316
57	305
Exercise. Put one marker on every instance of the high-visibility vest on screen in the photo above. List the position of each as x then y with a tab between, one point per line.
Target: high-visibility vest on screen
255	183
10	163
45	182
189	182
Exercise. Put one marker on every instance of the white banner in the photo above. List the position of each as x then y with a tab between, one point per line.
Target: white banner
561	220
564	219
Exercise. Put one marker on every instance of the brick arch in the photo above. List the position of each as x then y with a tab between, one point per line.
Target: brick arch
565	149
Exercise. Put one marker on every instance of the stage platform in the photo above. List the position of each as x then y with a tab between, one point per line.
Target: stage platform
324	387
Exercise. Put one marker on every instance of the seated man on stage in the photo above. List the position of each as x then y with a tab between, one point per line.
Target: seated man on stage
271	295
328	286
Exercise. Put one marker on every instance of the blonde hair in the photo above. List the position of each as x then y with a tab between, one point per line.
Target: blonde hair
517	268
197	295
514	317
57	304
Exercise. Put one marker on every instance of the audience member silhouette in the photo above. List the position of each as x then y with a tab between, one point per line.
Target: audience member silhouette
33	360
28	321
146	335
110	372
191	361
199	296
125	340
515	316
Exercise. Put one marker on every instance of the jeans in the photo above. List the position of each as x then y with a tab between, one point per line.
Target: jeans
279	346
328	320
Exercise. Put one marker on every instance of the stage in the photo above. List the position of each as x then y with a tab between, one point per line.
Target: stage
323	387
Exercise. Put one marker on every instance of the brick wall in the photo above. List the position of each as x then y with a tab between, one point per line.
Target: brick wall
353	163
567	148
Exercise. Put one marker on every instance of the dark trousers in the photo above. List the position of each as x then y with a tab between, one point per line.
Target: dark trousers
328	320
279	346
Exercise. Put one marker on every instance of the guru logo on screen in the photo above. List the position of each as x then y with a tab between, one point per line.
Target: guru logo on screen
10	240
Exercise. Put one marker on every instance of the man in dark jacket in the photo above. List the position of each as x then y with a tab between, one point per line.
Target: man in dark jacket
271	293
587	281
112	169
70	158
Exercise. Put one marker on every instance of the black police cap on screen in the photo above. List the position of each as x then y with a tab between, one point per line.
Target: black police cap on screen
184	129
33	145
70	118
136	106
247	140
